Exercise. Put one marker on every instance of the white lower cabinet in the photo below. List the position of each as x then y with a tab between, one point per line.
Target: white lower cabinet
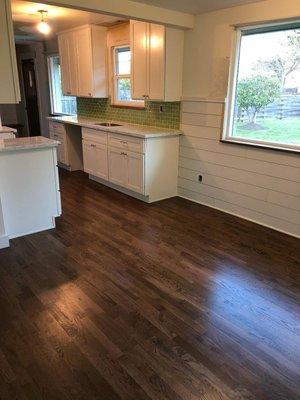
95	159
145	168
126	169
69	151
62	156
135	172
117	166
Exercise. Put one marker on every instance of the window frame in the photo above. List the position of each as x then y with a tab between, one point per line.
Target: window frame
115	101
51	92
228	121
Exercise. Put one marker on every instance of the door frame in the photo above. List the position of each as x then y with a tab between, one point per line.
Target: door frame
22	57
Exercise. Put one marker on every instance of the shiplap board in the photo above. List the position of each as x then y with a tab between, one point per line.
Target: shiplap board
202	108
224	183
240	151
205	132
261	167
281	186
261	185
259	218
201	119
284	213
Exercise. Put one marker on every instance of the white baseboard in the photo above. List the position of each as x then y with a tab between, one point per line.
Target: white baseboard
4	242
240	216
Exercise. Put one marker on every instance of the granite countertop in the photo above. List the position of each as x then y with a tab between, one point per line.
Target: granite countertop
7	129
141	131
26	143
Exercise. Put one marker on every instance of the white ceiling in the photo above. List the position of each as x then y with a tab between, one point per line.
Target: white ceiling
25	17
196	6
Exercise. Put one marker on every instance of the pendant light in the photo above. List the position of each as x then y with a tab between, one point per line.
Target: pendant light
43	26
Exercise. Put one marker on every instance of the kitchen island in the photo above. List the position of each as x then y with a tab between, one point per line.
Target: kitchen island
29	187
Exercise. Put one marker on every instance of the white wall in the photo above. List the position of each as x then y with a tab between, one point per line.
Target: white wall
257	184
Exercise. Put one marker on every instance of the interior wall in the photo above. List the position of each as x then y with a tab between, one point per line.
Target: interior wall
258	184
8	114
37	51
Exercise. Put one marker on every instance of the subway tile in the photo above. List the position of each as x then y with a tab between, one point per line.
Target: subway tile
100	108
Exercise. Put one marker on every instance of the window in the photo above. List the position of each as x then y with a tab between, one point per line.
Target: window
60	104
263	104
122	78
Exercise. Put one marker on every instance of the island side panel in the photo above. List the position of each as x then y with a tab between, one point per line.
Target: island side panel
29	191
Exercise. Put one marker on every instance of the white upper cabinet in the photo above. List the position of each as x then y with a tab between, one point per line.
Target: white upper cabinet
139	61
9	81
157	59
83	61
135	171
157	62
66	44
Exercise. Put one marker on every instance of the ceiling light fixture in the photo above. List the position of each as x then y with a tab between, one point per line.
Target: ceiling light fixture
43	26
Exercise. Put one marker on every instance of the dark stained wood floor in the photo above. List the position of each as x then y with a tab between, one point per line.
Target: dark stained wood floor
126	300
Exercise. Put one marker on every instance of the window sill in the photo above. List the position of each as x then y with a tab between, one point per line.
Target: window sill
266	146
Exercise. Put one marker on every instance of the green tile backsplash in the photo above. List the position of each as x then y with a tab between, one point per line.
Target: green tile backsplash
151	115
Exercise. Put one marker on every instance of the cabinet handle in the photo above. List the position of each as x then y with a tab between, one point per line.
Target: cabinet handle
93	145
123	154
68	92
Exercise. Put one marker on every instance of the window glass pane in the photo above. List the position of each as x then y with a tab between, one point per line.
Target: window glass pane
124	89
60	104
267	103
123	58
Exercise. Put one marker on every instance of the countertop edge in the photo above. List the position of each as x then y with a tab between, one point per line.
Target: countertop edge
15	147
121	130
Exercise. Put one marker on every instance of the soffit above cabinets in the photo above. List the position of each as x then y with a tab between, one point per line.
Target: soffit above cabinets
196	6
25	17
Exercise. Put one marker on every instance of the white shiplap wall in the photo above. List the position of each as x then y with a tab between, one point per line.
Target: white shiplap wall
261	185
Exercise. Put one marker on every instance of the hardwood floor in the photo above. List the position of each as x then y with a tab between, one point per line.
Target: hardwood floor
126	300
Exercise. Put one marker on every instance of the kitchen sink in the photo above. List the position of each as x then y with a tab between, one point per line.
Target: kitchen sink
107	124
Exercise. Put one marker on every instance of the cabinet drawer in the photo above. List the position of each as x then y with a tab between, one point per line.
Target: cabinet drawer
126	143
57	127
94	135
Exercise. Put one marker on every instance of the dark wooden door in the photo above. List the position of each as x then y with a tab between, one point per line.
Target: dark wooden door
31	97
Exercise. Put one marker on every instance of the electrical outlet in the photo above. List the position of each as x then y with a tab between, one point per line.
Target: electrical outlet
200	178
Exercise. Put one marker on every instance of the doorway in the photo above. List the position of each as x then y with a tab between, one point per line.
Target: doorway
31	97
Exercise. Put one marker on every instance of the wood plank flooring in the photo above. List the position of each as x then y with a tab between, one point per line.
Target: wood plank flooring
126	300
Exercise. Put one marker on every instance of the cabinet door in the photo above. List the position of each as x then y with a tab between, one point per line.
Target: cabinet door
117	167
67	63
135	172
156	62
101	166
139	62
84	65
88	157
9	81
61	153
